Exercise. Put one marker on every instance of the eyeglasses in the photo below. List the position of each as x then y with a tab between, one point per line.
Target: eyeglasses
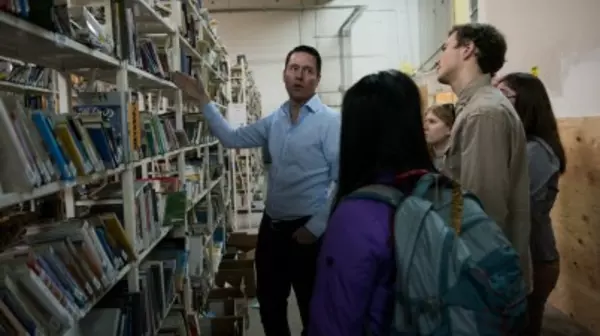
507	94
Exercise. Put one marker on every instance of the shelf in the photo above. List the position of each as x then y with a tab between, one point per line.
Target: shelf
148	21
122	273
35	45
27	42
203	193
30	44
166	314
164	232
138	79
9	199
20	88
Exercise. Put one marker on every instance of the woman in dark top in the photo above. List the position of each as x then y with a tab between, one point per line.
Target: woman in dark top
546	163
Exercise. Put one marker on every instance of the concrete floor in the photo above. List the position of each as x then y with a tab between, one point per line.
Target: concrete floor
293	319
555	322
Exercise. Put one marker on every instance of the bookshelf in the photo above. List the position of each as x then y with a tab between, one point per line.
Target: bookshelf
115	198
248	165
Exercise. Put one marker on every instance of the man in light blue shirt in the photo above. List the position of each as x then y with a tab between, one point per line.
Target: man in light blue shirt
302	138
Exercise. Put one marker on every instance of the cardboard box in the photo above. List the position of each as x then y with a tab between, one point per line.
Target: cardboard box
238	273
230	309
222	326
242	241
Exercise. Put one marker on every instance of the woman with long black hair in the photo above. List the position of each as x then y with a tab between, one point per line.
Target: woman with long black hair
382	142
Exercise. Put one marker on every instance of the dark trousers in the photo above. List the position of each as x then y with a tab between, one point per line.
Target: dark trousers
282	264
545	276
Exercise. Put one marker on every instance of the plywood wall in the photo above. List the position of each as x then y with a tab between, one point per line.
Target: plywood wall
576	217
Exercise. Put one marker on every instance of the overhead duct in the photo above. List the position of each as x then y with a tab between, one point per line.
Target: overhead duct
278	9
344	32
345	49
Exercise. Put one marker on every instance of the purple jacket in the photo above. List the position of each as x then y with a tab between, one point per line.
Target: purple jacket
355	272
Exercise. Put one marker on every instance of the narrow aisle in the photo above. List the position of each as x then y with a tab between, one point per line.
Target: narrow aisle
293	318
249	223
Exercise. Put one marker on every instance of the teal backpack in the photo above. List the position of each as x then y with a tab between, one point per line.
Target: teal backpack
457	274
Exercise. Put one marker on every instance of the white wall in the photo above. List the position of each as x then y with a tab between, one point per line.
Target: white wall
562	38
435	17
384	36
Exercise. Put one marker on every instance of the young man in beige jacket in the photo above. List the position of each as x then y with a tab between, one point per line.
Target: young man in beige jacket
488	148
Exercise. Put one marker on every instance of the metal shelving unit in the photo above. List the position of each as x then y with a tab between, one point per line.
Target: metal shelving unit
248	165
26	42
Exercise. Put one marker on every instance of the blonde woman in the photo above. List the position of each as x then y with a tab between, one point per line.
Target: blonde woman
438	124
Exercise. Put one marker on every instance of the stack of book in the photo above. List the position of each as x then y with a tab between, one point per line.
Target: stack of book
149	135
59	272
122	313
169	250
159	135
148	207
195	178
143	53
83	26
196	129
41	147
23	74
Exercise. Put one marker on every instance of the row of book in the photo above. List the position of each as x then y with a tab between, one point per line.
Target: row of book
41	147
78	24
196	129
160	135
196	179
149	208
124	313
143	52
28	75
152	310
83	25
59	271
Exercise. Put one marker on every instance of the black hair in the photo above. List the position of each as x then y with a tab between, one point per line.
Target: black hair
308	50
489	43
533	106
382	131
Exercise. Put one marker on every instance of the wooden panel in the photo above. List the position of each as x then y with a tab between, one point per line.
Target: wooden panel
576	217
446	97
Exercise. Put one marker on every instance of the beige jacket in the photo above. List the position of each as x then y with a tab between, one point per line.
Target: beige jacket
488	155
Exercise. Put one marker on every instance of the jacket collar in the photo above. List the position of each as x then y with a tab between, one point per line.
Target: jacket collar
312	105
469	91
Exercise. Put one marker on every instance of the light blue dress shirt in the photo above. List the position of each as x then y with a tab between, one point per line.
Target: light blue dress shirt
304	157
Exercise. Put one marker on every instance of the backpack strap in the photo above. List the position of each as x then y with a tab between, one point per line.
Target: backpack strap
379	192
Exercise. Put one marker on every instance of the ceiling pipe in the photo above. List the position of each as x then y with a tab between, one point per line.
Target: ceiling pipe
344	32
345	47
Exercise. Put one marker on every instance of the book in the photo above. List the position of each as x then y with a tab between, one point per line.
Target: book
55	275
122	312
42	147
148	207
24	74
